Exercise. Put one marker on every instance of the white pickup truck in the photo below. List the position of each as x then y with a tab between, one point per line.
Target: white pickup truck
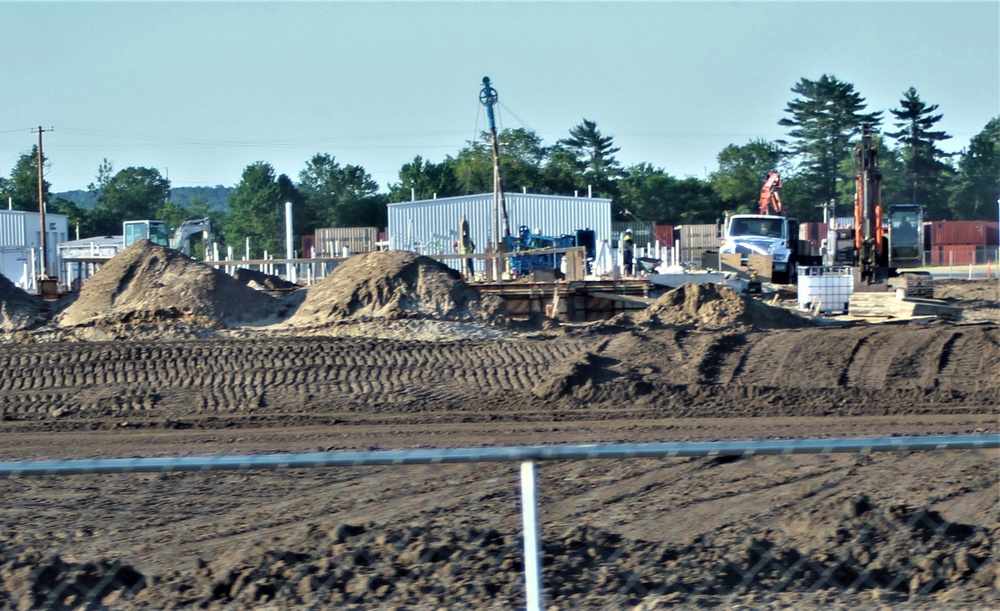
769	235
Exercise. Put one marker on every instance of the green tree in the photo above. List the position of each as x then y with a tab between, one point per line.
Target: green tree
21	190
521	158
423	179
650	194
473	167
743	170
76	216
105	172
562	172
823	121
926	169
339	196
597	154
256	209
132	194
977	186
645	194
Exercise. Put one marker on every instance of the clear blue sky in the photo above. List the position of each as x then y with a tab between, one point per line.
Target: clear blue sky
201	90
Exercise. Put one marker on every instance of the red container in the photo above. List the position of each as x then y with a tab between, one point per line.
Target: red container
944	233
814	233
993	233
308	241
953	254
665	235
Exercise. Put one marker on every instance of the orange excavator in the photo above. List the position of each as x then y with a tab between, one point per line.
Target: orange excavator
769	197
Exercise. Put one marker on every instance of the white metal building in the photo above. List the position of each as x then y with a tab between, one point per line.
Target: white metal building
431	226
20	240
80	259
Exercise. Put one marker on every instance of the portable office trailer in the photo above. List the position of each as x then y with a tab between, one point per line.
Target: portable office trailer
431	226
20	228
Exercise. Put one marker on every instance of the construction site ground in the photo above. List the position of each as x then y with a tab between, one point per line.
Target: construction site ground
161	356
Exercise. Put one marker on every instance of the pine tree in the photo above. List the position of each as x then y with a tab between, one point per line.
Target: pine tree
824	119
926	170
597	153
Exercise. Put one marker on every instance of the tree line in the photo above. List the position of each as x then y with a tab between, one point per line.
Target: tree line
816	160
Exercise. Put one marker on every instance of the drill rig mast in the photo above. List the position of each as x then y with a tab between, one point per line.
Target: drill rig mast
488	97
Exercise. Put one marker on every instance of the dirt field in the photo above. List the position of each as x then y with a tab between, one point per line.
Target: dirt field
161	356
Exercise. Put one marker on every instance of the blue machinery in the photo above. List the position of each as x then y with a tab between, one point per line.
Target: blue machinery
534	245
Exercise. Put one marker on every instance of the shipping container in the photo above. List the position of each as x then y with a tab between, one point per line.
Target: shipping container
431	226
814	233
945	233
665	235
332	242
993	233
954	254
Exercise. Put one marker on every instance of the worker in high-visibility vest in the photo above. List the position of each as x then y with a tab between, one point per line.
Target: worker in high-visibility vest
628	252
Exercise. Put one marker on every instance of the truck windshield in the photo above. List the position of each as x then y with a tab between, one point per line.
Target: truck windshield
765	228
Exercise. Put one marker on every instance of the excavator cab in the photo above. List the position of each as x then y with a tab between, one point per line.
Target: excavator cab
906	236
154	231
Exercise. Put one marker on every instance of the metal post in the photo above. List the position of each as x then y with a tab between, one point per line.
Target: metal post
44	272
289	251
532	544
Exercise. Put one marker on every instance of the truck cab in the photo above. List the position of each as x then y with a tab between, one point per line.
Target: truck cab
764	234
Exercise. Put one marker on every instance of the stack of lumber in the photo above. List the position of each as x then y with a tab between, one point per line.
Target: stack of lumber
893	305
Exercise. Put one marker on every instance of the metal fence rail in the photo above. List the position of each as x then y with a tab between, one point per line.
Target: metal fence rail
733	561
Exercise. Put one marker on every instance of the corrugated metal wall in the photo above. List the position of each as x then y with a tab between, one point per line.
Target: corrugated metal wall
431	226
12	228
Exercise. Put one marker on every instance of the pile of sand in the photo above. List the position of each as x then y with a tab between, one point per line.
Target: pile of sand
395	285
20	311
712	306
146	282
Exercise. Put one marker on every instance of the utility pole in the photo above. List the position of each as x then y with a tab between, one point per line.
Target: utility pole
44	273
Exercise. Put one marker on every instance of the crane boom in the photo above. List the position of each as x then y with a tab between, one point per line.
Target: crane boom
769	197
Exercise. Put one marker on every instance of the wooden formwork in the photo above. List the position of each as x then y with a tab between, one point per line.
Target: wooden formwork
582	301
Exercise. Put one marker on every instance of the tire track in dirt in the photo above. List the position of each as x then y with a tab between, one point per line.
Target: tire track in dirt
232	374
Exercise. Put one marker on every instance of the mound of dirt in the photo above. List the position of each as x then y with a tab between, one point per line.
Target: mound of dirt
395	285
712	306
147	283
20	311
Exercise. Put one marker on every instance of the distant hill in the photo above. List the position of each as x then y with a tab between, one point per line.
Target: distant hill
216	197
84	199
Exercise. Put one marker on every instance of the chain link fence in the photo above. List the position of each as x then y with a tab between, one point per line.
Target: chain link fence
892	523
